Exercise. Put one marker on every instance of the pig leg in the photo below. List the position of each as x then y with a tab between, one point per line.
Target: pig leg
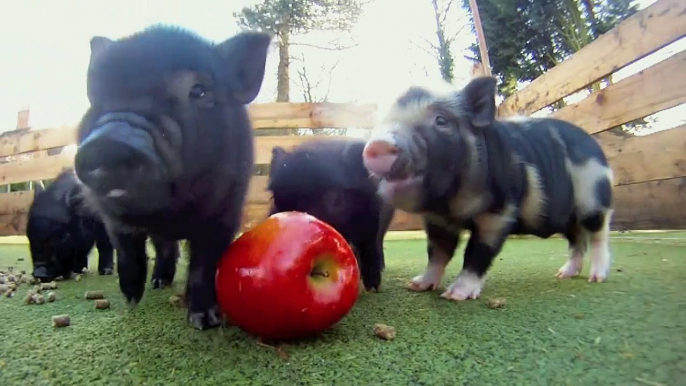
386	216
441	245
105	255
166	257
488	236
203	312
80	264
371	257
578	244
132	265
599	227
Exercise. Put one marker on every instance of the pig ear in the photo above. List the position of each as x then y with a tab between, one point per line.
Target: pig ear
98	45
244	57
277	153
38	188
479	96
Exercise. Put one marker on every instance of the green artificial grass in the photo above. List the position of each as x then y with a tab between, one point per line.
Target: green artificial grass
630	330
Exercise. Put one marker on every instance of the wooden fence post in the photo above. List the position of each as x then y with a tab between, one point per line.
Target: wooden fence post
482	39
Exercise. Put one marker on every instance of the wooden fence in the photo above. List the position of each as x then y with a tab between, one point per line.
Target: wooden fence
650	185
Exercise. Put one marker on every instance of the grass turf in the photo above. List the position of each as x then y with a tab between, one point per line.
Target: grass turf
630	330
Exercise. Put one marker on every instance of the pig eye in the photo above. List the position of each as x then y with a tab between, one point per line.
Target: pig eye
441	121
197	91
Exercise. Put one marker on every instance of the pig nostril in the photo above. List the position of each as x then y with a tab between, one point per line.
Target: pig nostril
378	149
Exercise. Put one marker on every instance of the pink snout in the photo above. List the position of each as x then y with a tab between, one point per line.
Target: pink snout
379	156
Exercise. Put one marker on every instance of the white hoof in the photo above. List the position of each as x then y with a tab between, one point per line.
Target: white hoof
466	286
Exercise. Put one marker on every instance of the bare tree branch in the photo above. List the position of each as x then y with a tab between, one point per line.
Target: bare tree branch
446	10
334	48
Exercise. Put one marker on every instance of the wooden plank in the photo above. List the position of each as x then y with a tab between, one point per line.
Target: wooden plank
264	144
263	115
34	169
19	202
643	206
283	115
21	170
35	140
614	145
651	159
636	37
15	202
14	224
654	205
649	91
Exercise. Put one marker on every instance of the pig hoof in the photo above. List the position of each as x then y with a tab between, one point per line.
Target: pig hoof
423	283
597	275
210	318
570	269
466	286
106	272
158	283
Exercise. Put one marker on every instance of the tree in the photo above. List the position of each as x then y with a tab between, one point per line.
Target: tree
441	48
287	18
315	89
526	38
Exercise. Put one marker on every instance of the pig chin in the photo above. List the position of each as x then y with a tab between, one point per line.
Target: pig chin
402	194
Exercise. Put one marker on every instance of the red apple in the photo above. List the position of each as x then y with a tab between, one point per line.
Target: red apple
289	277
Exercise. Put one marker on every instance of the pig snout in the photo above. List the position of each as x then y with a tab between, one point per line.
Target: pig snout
114	145
379	155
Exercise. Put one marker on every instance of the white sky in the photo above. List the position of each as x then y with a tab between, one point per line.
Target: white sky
45	50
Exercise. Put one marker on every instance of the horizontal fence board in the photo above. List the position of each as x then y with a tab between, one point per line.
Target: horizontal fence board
34	169
641	206
265	144
649	91
280	115
636	37
47	167
650	205
656	156
15	223
284	115
36	140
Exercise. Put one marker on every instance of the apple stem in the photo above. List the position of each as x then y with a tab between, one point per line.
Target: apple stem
320	273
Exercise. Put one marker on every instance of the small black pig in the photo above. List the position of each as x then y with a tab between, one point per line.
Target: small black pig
62	230
327	179
444	155
166	149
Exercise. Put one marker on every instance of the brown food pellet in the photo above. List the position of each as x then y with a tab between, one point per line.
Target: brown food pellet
92	295
384	332
38	299
102	304
49	286
496	303
52	296
176	301
61	321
